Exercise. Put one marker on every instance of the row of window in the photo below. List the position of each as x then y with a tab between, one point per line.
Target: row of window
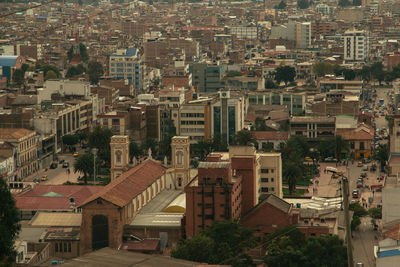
266	189
62	246
192	122
192	115
265	180
267	170
27	144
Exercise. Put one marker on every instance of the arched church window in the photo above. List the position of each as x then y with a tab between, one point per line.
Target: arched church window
179	157
118	156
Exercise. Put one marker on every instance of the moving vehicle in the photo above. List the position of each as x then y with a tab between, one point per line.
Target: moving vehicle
76	154
44	178
360	183
65	164
53	165
355	193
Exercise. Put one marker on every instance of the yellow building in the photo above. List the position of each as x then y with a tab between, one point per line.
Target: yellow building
26	143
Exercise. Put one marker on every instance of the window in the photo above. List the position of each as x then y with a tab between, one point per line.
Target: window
264	180
361	145
179	157
118	156
264	189
272	189
272	179
115	121
352	145
65	247
56	247
209	216
264	170
60	248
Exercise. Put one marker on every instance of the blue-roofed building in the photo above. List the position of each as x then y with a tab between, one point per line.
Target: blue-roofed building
128	64
8	64
387	253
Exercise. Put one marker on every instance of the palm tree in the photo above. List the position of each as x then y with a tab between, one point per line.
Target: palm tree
340	146
202	149
84	164
382	155
291	173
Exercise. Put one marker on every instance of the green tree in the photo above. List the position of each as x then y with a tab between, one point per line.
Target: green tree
70	140
47	68
259	124
100	138
95	70
355	222
375	213
134	150
303	4
382	155
224	242
269	84
323	68
50	75
349	74
357	2
202	149
282	5
83	53
84	164
358	210
344	3
243	138
198	248
18	77
24	67
219	144
9	225
285	74
150	143
341	147
291	173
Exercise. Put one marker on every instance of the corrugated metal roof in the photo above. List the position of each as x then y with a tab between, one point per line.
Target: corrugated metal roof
6	61
52	219
213	165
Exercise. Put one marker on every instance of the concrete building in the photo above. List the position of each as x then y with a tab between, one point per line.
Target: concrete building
7	161
8	64
360	140
244	32
333	104
207	77
128	64
295	102
313	127
227	115
26	143
356	46
110	94
117	121
300	32
63	88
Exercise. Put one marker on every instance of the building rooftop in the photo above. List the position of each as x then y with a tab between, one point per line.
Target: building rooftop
106	257
214	165
14	133
53	219
316	119
158	219
6	61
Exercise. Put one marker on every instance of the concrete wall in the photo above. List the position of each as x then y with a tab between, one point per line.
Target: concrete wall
390	205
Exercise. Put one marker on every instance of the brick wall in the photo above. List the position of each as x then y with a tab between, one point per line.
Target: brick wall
115	224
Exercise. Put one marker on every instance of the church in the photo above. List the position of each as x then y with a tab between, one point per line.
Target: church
105	213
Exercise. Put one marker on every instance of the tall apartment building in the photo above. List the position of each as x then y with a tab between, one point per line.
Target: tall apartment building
356	46
26	143
229	185
227	115
303	35
127	64
207	77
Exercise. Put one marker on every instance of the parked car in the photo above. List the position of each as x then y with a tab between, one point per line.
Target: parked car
65	164
363	174
36	180
61	161
76	154
360	183
330	159
53	165
355	193
44	178
364	168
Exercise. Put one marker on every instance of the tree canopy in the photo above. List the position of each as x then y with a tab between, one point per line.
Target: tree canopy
95	70
75	70
9	225
285	74
243	137
84	164
224	242
289	247
18	77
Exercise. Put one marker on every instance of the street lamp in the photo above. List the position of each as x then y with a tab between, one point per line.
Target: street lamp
94	151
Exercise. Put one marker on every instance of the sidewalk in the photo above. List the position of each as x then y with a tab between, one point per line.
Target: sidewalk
325	185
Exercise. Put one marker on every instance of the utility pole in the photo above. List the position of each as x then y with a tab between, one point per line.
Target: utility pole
345	190
94	151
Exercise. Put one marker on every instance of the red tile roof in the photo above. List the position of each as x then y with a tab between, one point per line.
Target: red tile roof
34	199
144	245
270	135
14	133
362	132
130	184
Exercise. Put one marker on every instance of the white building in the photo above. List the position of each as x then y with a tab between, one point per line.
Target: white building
7	167
244	32
64	88
356	46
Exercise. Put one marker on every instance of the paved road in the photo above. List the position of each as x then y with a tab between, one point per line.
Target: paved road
364	240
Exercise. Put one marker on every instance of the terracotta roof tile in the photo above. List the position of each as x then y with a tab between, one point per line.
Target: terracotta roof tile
272	135
130	184
13	133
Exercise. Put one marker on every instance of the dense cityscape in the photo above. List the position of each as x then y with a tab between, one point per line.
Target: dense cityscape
200	133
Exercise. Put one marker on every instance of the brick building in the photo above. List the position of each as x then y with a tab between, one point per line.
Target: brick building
215	194
105	213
